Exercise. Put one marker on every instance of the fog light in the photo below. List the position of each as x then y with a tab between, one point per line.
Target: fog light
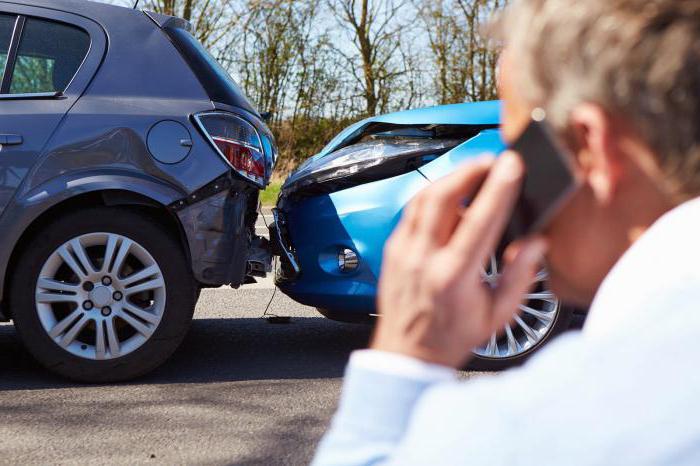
348	260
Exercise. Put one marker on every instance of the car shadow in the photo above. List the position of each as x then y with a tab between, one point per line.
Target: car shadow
219	350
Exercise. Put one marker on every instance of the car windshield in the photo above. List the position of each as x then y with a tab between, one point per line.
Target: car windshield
216	80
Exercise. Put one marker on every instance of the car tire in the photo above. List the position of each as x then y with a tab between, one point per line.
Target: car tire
561	324
132	335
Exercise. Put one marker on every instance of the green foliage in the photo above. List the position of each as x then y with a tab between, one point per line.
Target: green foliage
269	196
32	74
301	138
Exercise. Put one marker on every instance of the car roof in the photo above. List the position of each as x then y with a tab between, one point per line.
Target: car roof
103	13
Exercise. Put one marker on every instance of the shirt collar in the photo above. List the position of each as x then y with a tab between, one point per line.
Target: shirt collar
665	259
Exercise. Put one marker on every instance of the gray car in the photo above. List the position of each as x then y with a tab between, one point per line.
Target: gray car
130	168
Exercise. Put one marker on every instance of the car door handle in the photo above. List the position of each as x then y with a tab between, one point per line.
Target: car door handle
10	139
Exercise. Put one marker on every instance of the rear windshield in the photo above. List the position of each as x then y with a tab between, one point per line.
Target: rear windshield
216	81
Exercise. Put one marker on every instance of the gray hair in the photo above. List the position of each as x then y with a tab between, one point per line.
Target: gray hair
635	58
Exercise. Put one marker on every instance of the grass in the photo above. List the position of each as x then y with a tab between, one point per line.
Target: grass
270	195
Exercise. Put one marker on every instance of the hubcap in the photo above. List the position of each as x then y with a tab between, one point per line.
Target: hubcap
529	328
100	296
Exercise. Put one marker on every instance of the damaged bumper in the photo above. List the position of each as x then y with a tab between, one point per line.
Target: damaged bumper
314	231
219	224
289	268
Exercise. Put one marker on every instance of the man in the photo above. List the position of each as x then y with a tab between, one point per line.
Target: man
619	80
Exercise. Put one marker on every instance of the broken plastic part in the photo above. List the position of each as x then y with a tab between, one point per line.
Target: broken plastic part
219	230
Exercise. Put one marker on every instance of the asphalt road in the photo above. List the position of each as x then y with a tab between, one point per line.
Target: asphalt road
238	391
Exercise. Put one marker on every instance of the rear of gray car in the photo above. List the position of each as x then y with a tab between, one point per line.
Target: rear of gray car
130	168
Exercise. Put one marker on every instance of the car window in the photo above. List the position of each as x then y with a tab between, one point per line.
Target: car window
215	79
49	55
7	24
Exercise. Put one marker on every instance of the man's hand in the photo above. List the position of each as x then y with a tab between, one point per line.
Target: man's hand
432	301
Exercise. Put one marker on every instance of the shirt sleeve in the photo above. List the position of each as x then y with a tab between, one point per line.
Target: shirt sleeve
401	366
400	411
379	393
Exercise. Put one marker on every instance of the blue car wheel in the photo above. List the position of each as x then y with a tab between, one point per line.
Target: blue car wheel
540	317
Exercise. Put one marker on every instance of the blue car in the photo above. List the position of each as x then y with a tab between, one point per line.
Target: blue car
336	211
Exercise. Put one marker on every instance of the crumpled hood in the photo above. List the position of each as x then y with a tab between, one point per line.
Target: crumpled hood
480	116
473	113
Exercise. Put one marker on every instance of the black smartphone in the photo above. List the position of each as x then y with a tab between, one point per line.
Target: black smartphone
550	178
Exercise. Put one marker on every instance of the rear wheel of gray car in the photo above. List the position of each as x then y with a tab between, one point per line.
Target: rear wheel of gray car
540	318
102	295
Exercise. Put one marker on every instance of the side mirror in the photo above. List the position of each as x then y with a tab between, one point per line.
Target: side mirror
266	116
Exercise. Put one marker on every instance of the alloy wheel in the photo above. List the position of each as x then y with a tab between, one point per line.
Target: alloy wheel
530	327
100	296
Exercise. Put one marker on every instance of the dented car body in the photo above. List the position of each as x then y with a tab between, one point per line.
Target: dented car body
337	210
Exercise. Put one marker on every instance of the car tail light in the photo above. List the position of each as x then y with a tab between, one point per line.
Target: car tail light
237	141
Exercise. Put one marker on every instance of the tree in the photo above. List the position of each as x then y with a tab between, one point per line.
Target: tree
481	57
319	65
212	20
464	64
374	27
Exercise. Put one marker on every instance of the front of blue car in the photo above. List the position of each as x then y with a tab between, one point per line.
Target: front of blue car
337	210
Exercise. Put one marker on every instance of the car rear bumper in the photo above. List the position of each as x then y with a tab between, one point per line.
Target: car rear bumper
219	224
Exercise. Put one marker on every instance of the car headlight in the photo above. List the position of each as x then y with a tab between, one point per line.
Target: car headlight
366	161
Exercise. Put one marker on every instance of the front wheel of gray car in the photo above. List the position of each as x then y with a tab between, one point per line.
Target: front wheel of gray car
102	295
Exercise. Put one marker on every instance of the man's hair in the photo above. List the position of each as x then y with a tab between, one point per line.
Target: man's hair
635	58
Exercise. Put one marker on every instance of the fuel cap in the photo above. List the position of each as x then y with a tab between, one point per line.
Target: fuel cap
169	141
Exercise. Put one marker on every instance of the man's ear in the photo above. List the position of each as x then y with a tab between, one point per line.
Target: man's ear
598	156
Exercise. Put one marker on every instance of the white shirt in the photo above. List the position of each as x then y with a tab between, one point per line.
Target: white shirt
625	390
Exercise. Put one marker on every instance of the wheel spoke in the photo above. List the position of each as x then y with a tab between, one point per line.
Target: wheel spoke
542	295
532	337
123	251
55	285
61	327
70	335
494	265
139	326
50	297
141	313
81	255
492	347
145	286
100	350
543	316
140	275
71	262
541	276
112	339
110	247
513	345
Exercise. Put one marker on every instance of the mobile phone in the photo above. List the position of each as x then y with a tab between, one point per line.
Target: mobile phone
550	178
